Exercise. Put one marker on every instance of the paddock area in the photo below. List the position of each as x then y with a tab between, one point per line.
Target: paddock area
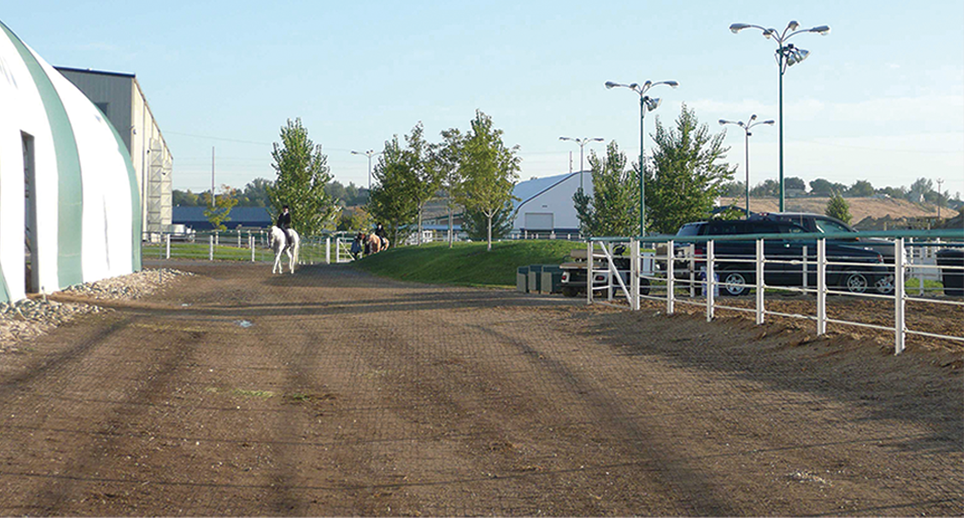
334	392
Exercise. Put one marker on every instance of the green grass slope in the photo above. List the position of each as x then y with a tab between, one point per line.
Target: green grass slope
466	264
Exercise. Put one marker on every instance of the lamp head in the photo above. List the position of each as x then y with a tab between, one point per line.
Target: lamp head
674	84
737	27
752	117
822	30
769	122
598	139
633	86
651	103
793	25
768	33
797	55
610	84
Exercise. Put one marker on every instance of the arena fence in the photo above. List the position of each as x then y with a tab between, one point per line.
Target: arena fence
242	245
702	271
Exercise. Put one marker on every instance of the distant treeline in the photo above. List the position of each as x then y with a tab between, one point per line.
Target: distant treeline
920	191
255	194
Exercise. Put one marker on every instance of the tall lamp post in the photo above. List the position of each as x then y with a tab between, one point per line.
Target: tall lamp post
370	153
751	122
787	55
582	143
646	103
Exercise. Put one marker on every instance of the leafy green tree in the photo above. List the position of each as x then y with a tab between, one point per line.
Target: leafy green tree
303	174
183	198
488	170
476	224
837	207
766	188
445	157
221	211
861	189
392	202
613	209
427	176
919	189
256	194
821	187
794	182
354	219
735	189
688	173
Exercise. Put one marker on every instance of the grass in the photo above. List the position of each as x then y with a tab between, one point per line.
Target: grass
466	264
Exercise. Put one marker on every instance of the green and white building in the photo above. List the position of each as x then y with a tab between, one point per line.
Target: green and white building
70	205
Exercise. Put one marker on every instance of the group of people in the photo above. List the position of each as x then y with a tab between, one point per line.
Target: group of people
363	244
367	244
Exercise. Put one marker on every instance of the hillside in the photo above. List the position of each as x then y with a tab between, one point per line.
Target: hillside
860	208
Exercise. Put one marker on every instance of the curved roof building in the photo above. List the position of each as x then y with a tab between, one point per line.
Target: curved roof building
68	195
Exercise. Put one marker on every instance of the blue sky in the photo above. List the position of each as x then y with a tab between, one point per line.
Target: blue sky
881	98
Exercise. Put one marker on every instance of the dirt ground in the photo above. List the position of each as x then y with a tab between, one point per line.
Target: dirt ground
332	392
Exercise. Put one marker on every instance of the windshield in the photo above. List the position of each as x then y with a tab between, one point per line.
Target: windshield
827	226
690	229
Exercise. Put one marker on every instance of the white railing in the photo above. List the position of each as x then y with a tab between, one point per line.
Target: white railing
241	245
697	271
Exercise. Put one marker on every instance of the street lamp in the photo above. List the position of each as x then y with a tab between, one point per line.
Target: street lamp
787	55
646	103
582	143
370	153
746	128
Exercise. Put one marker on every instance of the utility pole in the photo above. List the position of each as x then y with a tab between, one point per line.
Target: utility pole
212	177
570	162
940	197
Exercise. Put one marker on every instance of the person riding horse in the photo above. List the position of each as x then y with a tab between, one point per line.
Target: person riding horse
284	222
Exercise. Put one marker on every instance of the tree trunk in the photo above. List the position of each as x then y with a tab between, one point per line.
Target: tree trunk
418	240
490	232
451	228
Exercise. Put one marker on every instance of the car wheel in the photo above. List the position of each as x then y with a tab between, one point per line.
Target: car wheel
735	283
885	285
569	291
855	282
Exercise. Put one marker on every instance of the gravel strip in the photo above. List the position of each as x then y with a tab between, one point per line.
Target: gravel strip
27	319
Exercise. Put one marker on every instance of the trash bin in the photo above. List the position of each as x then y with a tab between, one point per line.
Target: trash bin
953	279
551	279
521	279
535	277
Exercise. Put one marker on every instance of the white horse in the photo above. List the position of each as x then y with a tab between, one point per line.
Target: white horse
279	243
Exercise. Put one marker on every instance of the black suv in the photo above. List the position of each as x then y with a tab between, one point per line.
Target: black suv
827	225
855	268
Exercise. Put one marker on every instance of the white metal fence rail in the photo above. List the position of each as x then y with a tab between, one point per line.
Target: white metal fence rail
683	269
249	245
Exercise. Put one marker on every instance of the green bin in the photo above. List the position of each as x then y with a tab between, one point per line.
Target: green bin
535	277
551	279
521	279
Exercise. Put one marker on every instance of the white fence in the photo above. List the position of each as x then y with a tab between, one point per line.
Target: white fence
695	273
237	245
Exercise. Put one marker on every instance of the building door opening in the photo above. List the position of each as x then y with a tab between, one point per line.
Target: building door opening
32	277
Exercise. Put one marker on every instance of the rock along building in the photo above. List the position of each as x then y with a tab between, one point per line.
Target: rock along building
69	197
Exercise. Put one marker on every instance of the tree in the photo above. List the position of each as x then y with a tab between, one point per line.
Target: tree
735	189
392	202
837	207
427	177
445	157
221	210
688	173
821	187
302	176
765	188
795	183
614	207
476	224
256	193
861	189
488	169
919	190
183	198
354	219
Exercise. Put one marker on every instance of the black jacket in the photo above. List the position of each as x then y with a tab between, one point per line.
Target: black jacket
284	220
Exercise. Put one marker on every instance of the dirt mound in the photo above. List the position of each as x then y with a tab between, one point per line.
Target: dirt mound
860	208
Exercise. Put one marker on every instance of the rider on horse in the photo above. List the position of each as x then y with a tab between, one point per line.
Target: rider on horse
284	222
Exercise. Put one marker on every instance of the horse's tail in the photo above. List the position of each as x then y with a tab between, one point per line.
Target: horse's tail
297	245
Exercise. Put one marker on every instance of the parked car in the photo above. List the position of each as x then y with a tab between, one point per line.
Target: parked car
852	267
827	225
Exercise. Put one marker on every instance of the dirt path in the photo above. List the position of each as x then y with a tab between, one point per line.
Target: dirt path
335	393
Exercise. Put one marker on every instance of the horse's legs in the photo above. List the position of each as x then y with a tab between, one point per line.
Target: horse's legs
277	263
291	261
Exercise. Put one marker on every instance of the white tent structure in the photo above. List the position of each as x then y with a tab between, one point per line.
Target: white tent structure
68	193
545	204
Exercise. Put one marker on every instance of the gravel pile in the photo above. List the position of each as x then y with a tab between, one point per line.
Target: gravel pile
26	319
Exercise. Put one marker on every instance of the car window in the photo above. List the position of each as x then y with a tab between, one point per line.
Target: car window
791	228
690	229
827	226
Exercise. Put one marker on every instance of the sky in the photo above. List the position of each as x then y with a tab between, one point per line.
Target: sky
881	98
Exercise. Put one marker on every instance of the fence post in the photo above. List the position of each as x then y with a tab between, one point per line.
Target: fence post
760	269
211	247
634	272
217	239
821	287
167	242
589	272
806	269
328	249
239	238
670	278
900	328
710	259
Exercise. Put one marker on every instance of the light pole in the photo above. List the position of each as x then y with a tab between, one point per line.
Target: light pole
746	128
582	143
646	103
787	55
370	153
